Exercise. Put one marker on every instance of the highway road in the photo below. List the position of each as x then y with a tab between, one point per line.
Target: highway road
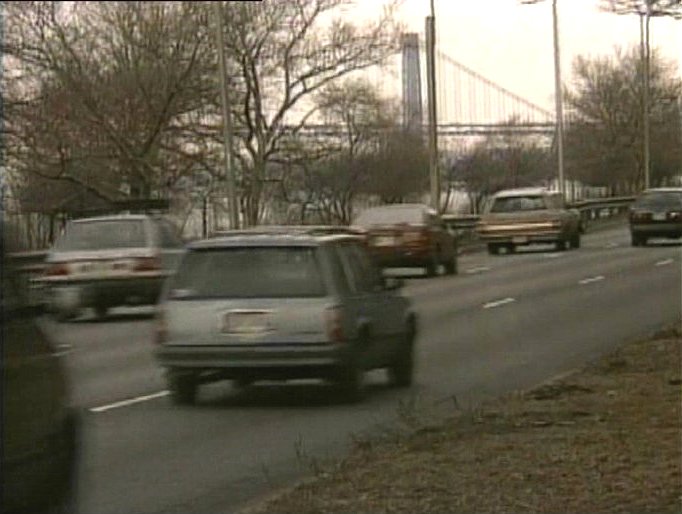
505	322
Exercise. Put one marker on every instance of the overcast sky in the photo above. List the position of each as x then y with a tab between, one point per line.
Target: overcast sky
511	43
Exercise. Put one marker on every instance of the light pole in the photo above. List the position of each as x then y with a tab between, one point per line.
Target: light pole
431	98
558	96
558	100
227	118
645	123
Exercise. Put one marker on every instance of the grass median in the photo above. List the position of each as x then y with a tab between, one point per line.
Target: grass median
606	438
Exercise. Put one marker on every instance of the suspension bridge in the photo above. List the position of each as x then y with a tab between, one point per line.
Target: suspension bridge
468	104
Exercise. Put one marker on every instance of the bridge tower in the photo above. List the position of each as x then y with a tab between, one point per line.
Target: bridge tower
412	83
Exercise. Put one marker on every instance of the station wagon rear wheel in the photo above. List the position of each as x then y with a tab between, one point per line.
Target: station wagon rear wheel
101	311
351	380
561	245
451	266
401	371
432	267
183	388
493	248
575	240
638	240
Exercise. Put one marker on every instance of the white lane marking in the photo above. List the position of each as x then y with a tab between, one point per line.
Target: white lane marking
63	349
130	401
611	245
497	303
478	270
553	255
665	262
591	279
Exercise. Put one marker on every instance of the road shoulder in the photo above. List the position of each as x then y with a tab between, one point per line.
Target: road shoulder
605	438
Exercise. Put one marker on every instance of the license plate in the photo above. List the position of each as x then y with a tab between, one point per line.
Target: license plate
659	216
245	323
384	241
519	240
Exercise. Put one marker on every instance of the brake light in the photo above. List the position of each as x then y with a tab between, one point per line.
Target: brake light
334	324
147	264
160	328
57	270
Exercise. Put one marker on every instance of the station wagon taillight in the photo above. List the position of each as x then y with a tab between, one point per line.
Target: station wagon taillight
59	269
334	324
147	264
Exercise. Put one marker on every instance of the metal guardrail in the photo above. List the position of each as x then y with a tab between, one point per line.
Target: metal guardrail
31	263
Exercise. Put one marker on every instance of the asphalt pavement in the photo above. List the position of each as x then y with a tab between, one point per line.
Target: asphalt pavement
505	322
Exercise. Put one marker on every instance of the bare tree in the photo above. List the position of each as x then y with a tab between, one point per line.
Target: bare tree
106	91
283	53
604	140
672	8
500	162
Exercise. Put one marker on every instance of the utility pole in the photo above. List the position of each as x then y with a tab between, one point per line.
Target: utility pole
647	59
227	118
431	97
558	99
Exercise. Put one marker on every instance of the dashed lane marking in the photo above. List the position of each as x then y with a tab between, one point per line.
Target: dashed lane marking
130	401
665	262
497	303
477	270
590	280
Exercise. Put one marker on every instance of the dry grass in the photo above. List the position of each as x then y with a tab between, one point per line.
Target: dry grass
606	439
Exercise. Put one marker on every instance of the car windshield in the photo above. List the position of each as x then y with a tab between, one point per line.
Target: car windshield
667	200
102	235
518	203
390	215
253	272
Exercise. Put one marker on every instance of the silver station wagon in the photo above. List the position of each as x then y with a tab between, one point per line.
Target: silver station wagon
251	307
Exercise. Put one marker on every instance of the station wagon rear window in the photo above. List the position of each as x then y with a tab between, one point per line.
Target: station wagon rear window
103	235
665	200
254	272
518	203
390	216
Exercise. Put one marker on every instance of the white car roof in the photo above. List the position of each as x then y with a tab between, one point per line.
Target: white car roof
523	191
114	217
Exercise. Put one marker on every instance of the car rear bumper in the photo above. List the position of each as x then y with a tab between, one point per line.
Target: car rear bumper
264	361
70	295
657	229
522	237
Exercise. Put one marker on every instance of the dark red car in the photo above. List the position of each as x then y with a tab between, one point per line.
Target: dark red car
409	235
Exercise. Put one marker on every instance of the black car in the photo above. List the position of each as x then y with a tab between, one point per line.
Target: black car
656	213
39	425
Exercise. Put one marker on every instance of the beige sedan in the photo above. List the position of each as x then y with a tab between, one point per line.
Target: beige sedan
521	217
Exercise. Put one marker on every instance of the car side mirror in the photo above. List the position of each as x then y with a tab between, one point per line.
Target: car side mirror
393	283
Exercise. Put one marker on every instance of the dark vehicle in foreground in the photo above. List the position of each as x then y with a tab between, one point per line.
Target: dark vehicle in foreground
409	235
40	438
526	216
109	261
656	213
255	307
